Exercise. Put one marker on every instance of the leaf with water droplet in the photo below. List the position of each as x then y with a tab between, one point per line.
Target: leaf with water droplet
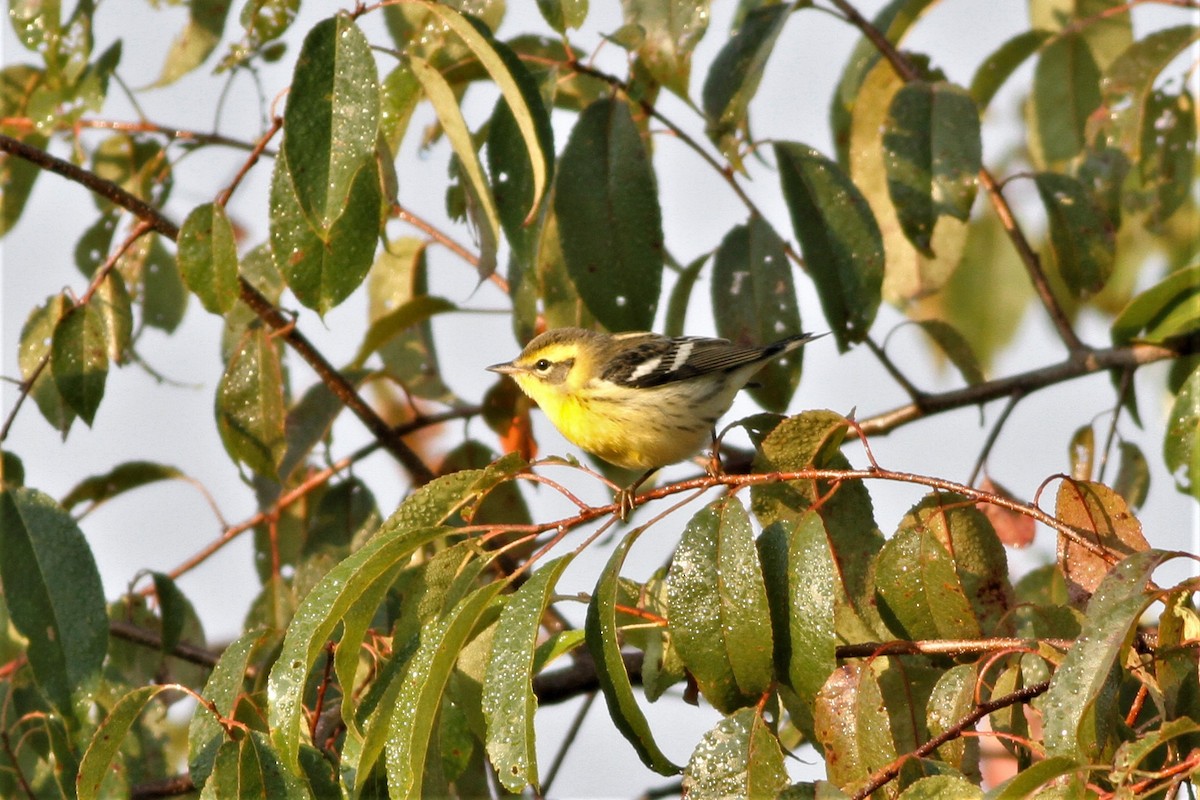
754	303
508	701
250	406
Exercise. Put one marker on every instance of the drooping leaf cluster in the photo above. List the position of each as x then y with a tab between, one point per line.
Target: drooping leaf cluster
407	654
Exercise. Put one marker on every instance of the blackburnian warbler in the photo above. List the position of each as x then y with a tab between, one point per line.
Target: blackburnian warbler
637	400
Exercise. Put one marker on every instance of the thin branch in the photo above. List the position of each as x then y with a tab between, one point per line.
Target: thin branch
259	148
444	239
312	482
885	775
121	629
915	394
944	647
994	434
568	739
1098	360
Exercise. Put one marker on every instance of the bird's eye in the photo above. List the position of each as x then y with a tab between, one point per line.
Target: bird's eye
542	364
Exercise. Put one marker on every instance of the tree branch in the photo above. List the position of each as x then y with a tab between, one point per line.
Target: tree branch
888	773
1091	361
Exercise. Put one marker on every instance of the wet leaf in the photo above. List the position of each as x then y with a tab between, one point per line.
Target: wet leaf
208	257
735	74
508	700
79	359
1081	236
754	302
53	593
609	221
840	239
740	757
1181	444
604	643
106	743
719	618
1079	708
250	406
932	154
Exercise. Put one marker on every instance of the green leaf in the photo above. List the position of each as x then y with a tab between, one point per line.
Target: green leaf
681	296
952	699
955	347
164	297
79	359
508	701
35	347
445	103
264	21
324	265
1079	708
1181	444
387	327
115	307
1027	782
736	72
803	584
224	688
939	786
893	21
720	622
563	14
18	175
740	757
986	296
1169	308
842	246
1129	81
250	767
1168	152
250	407
424	683
1133	475
332	119
1000	65
523	101
1081	236
603	640
909	274
208	257
932	155
671	30
53	592
944	573
754	302
609	220
111	734
398	277
206	23
1066	90
319	615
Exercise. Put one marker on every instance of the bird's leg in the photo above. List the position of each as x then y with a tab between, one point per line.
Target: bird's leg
713	467
625	497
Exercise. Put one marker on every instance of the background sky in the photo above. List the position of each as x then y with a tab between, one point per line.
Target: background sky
158	527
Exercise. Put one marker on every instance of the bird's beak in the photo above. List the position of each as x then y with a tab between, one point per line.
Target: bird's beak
507	368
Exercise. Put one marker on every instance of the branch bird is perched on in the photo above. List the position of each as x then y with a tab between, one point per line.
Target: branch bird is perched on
638	400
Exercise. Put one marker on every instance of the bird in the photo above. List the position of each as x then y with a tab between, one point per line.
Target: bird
638	400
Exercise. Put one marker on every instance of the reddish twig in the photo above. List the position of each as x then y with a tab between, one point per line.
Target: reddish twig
888	773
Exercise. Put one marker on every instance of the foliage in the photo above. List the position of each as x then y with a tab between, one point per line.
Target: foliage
406	654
